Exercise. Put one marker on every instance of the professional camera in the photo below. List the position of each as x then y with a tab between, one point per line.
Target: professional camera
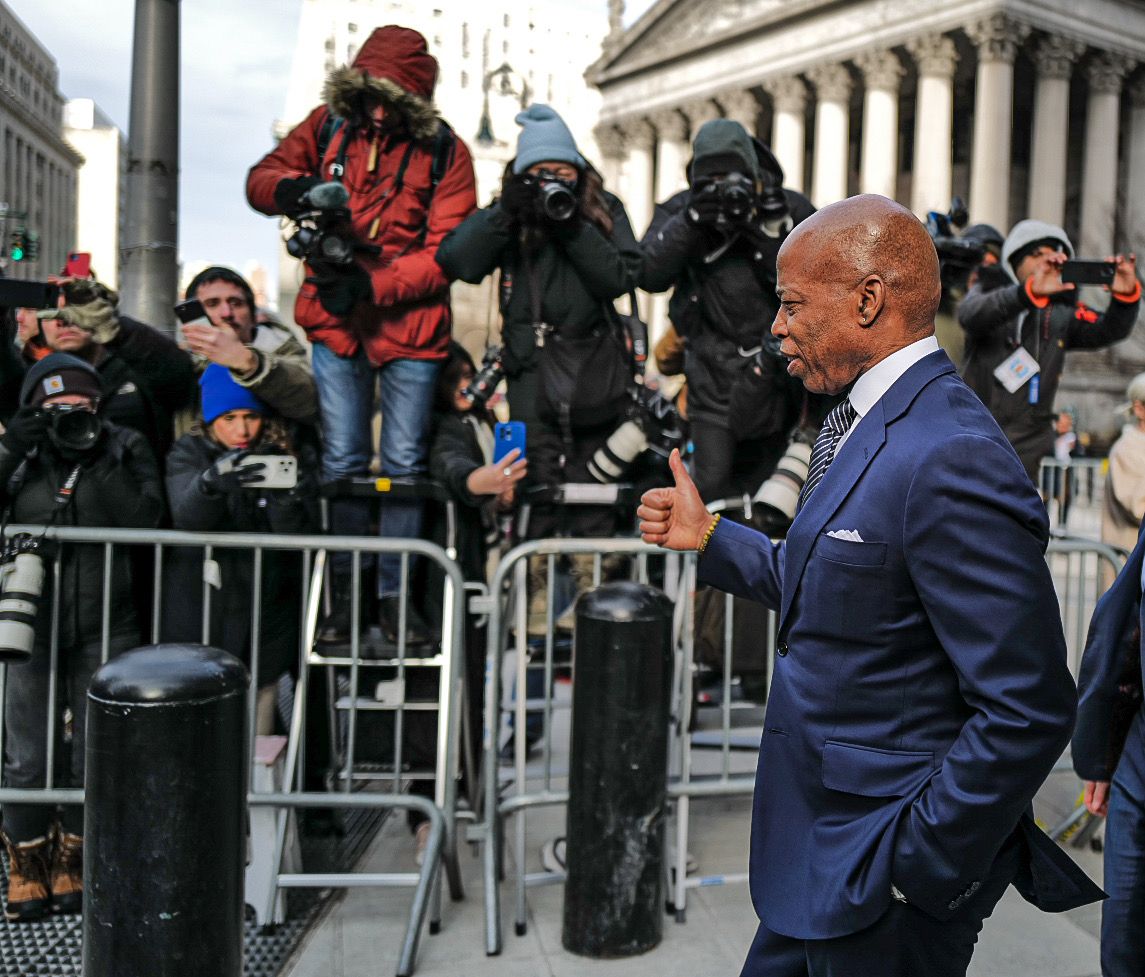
73	427
957	257
653	424
323	235
556	199
21	583
778	497
737	197
485	381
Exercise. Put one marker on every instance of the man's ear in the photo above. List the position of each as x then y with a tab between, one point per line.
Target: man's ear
871	294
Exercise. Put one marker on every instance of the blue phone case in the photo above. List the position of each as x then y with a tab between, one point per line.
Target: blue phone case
508	435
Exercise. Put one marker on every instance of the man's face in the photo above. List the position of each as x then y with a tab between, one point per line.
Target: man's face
1031	262
62	337
226	302
816	323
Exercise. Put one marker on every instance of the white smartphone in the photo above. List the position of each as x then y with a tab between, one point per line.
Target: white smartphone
281	471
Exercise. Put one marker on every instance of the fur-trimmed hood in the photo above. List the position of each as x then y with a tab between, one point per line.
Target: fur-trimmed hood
395	67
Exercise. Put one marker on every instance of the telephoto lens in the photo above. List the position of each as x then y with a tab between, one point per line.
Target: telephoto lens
73	426
624	445
21	583
558	202
778	496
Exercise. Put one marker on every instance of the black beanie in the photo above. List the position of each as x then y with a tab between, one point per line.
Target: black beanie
59	373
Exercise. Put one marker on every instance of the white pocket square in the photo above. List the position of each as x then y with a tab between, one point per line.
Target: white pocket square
851	535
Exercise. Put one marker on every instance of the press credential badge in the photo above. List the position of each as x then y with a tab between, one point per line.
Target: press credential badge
1017	369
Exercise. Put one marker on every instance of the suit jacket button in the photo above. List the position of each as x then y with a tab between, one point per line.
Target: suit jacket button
782	649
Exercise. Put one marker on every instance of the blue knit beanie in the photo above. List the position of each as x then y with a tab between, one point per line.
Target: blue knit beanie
544	136
222	394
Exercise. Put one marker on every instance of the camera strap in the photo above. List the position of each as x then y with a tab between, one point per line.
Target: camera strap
66	492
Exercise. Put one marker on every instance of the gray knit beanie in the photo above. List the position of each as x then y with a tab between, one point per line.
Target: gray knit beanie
544	136
1025	237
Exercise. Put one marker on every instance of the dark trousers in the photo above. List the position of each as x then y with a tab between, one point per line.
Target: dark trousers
1123	914
26	727
726	466
903	942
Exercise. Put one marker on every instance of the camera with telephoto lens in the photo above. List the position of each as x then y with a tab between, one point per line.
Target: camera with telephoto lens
21	583
653	424
323	235
556	199
73	427
957	257
778	497
485	380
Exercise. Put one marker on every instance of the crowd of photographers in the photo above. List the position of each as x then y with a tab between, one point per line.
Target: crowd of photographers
110	423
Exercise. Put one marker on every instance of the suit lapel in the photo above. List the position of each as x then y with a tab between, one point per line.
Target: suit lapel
856	454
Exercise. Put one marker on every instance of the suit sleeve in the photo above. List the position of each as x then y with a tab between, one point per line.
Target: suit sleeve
414	276
741	561
974	538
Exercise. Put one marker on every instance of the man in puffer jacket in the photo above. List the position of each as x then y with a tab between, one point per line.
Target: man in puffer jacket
1020	314
386	315
720	265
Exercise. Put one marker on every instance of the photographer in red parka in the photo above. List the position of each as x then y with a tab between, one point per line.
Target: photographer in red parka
377	181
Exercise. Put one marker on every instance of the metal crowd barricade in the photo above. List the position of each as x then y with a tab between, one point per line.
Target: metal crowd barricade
313	550
1074	492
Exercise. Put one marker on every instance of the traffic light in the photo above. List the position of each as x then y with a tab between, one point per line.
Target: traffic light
31	246
16	246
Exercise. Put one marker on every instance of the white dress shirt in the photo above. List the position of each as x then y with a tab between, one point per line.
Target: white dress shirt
872	385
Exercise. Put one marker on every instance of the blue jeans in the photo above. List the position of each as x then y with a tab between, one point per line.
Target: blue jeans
1123	914
346	402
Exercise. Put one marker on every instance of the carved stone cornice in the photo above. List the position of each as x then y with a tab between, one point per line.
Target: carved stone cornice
789	94
671	125
934	54
997	37
882	70
1107	71
700	111
832	82
740	105
610	141
638	133
1055	56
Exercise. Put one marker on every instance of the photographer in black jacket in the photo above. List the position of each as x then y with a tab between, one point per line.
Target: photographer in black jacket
715	246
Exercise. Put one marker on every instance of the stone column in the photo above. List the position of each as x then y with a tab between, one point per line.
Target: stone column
640	138
1135	192
832	132
1054	57
997	38
788	131
1099	170
672	152
882	72
742	107
931	186
610	142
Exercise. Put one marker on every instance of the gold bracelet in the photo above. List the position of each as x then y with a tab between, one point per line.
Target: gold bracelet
708	535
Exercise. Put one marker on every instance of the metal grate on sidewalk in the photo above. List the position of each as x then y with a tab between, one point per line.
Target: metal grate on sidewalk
52	947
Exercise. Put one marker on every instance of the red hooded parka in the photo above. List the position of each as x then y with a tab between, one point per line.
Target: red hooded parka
408	313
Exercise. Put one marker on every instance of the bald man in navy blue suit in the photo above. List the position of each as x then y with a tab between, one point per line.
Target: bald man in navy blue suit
920	694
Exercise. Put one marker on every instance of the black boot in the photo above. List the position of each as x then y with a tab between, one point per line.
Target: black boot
389	610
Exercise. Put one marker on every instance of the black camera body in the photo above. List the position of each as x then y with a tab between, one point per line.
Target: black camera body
556	199
485	380
323	238
73	427
736	195
957	257
653	424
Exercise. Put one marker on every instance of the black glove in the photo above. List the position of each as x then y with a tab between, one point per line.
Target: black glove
339	291
704	207
289	193
26	430
228	474
520	199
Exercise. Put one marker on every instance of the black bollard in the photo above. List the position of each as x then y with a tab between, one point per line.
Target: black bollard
164	818
618	772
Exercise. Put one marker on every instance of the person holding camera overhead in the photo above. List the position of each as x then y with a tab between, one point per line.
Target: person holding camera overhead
565	251
715	246
375	180
63	463
1020	319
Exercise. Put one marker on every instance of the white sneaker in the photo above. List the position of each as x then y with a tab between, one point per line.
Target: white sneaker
553	855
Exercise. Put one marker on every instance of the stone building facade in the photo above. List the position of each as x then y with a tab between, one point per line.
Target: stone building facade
1024	108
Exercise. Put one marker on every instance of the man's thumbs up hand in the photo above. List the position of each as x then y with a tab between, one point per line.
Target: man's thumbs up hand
675	518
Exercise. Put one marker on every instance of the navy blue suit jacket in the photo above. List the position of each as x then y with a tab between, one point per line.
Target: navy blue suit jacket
921	693
1112	643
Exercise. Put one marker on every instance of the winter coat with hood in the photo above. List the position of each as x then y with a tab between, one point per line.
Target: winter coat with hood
407	314
721	308
998	315
119	487
247	510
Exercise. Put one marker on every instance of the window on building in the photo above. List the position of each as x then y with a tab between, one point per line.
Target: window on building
352	28
506	20
465	40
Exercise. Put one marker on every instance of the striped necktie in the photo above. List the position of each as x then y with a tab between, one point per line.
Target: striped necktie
837	424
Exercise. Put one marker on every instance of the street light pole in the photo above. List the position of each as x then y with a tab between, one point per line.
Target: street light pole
148	255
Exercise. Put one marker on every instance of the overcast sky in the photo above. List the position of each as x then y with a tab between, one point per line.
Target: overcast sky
236	58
